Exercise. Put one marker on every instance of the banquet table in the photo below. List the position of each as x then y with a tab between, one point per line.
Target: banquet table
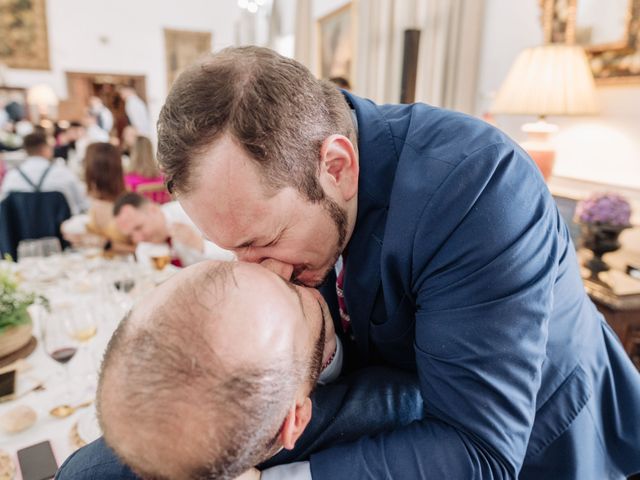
105	289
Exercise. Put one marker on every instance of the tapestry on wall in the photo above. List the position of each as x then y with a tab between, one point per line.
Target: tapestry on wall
23	34
182	48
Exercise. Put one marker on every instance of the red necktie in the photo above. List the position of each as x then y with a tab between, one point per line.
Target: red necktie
344	316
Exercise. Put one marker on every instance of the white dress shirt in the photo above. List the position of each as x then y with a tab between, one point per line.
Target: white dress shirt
105	119
138	115
59	179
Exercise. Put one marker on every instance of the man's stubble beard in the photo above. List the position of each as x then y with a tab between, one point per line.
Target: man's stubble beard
339	217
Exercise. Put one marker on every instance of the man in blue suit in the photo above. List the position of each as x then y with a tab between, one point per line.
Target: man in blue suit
456	266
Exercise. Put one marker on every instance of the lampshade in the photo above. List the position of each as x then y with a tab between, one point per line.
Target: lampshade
42	96
548	80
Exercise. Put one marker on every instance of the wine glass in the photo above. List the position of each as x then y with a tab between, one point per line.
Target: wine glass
160	256
82	326
58	344
41	247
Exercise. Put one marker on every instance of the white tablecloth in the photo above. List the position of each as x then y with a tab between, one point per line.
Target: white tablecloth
83	283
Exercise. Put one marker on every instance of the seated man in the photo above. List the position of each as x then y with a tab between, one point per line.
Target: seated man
212	373
145	221
40	173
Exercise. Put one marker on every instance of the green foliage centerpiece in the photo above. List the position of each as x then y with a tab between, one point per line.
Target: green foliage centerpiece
15	322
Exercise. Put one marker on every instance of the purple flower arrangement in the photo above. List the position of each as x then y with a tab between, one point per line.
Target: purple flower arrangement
604	208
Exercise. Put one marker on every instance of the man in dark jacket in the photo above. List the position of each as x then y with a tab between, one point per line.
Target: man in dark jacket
456	266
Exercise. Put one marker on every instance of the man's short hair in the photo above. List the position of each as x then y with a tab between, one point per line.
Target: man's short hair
130	198
171	363
271	105
34	143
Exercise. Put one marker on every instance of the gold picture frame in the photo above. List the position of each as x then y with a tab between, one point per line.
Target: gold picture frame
24	42
615	62
182	48
336	44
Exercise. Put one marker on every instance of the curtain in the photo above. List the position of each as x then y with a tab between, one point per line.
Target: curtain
303	31
450	42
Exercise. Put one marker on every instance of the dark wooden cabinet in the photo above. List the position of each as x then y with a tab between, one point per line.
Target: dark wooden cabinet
626	323
622	314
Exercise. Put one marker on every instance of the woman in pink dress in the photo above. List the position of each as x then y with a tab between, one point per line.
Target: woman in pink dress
144	176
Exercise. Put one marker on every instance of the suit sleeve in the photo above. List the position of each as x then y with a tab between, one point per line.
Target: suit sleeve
483	269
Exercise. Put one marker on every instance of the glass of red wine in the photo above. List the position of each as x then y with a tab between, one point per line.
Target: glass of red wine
57	342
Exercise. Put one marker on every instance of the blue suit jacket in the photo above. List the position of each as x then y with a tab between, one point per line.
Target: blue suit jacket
461	268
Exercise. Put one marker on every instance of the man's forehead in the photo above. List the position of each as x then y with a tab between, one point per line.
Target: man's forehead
229	202
226	170
130	216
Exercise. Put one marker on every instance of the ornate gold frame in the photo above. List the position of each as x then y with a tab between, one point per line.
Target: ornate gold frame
183	47
25	46
611	62
347	9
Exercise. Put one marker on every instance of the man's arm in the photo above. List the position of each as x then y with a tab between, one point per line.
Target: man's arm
483	292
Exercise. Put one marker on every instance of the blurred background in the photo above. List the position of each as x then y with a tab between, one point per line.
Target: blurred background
56	54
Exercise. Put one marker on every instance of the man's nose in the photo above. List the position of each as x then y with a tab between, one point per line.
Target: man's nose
282	269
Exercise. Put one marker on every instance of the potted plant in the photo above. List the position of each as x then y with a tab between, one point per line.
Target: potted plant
15	322
602	217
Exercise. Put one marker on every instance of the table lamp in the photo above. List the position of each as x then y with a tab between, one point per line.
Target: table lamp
43	101
553	79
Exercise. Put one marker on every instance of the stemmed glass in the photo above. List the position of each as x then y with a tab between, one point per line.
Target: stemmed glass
82	326
41	247
58	344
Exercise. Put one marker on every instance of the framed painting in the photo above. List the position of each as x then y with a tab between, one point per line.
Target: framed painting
610	36
182	48
24	40
335	41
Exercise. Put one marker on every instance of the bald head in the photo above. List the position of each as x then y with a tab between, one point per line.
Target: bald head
197	381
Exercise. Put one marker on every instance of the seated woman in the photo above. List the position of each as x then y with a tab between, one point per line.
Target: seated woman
144	177
105	182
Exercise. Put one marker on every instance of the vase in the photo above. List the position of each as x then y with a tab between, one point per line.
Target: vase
600	238
14	338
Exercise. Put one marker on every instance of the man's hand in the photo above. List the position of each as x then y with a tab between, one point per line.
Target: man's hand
187	236
251	474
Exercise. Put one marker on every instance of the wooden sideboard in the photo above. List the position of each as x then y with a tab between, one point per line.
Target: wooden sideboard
621	313
622	310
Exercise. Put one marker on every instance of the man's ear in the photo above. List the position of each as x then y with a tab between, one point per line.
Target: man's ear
294	424
339	167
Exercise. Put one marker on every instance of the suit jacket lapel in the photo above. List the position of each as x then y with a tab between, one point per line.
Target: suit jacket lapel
378	161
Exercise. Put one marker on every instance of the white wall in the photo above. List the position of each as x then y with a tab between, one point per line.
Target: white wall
123	36
603	148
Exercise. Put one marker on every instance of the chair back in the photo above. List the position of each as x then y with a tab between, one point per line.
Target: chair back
31	215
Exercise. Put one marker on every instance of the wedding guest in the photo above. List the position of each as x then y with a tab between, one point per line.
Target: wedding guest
103	116
143	169
104	178
145	221
39	172
136	110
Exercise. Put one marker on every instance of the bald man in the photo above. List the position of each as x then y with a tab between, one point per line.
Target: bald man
212	374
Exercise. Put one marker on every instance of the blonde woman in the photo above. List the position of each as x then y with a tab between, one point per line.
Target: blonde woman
144	172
